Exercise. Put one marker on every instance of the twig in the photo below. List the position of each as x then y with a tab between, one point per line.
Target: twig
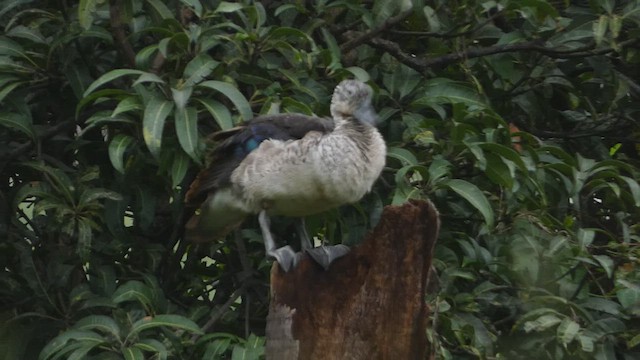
421	65
364	37
158	62
218	314
394	50
118	30
48	133
451	33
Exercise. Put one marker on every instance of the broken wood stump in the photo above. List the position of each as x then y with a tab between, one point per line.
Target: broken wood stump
370	304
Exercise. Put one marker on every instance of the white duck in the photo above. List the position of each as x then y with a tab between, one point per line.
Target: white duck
291	165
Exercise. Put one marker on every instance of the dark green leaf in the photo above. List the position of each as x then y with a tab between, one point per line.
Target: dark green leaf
187	129
155	114
198	69
474	196
117	148
219	112
232	93
110	76
172	321
18	122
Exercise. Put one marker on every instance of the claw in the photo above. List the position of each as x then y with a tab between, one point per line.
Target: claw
325	255
286	257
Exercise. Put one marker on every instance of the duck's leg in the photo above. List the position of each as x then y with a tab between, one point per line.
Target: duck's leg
323	255
285	256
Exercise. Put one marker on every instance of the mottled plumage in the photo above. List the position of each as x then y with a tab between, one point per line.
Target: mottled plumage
290	165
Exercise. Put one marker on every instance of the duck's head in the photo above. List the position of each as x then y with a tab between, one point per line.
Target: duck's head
352	99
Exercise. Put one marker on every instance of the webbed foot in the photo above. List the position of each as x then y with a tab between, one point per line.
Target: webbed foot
325	255
286	257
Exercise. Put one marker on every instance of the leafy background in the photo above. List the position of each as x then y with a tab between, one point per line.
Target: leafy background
519	119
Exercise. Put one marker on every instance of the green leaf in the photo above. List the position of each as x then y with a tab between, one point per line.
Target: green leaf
586	342
219	112
160	9
59	343
634	188
505	152
198	69
91	195
11	48
179	168
635	341
629	297
181	96
607	264
498	171
19	122
99	323
227	7
474	196
110	76
85	236
228	90
81	352
241	353
333	48
130	103
132	353
117	149
441	90
148	78
173	321
156	346
567	331
155	114
6	90
133	290
195	5
186	121
600	28
542	323
86	8
405	156
216	349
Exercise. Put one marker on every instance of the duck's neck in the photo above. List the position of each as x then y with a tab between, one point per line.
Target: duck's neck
351	124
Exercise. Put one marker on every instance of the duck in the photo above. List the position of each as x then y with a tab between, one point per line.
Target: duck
290	165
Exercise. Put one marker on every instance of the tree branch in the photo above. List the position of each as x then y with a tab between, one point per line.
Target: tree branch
421	65
46	134
364	37
119	34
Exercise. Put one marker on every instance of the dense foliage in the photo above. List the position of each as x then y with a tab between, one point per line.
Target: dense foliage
518	118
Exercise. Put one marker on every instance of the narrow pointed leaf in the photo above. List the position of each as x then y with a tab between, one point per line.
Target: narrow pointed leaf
474	196
86	8
17	122
117	149
173	321
132	353
110	76
179	168
155	114
101	323
219	112
187	129
181	96
160	9
198	69
236	97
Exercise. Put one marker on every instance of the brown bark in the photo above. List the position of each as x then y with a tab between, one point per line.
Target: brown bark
370	304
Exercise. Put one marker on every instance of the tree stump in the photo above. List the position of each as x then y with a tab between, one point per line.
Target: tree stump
370	304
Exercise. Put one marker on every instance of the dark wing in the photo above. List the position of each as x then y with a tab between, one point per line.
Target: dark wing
235	144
